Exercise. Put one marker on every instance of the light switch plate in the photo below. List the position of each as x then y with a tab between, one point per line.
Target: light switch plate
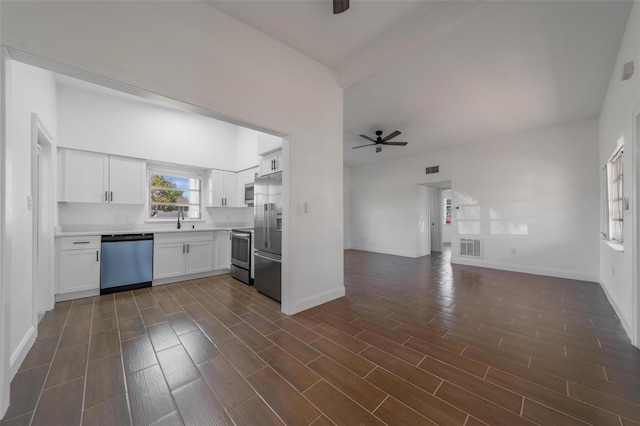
306	207
29	202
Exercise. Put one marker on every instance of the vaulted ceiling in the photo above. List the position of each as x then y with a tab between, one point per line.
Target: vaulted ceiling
451	72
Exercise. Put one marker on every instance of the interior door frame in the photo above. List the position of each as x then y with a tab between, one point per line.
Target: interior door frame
5	354
42	301
635	224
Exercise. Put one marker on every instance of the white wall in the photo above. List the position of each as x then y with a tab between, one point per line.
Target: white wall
346	173
535	192
616	124
123	126
246	148
30	90
193	53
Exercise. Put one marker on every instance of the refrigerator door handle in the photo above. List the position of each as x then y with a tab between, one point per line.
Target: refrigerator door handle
265	229
264	256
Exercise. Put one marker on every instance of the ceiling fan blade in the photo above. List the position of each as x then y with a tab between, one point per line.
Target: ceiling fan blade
395	143
362	146
391	136
368	138
340	6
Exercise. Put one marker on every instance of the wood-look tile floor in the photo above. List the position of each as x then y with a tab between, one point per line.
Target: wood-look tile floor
415	341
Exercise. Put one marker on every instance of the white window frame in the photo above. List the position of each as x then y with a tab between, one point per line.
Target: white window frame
614	200
185	174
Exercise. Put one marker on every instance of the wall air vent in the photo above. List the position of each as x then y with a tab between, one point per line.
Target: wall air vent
434	169
471	247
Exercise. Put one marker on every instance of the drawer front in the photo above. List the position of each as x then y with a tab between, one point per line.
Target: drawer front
80	243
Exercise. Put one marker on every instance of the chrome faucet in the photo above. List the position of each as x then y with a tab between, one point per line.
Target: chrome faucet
180	211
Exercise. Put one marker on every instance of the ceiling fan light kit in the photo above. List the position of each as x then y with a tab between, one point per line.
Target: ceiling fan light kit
379	140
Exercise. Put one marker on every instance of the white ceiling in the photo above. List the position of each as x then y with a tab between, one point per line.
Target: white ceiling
451	72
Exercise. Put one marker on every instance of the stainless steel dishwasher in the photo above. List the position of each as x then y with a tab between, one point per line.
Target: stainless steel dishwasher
127	262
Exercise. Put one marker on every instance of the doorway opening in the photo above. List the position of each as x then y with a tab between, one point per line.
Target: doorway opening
440	219
41	203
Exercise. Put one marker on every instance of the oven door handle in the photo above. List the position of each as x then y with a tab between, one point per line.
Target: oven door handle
240	236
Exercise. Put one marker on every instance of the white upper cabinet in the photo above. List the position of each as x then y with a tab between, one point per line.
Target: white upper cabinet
84	176
221	189
127	180
271	163
89	177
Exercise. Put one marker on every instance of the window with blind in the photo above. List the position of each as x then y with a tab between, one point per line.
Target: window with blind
615	197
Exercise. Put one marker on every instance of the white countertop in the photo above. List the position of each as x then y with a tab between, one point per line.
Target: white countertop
139	229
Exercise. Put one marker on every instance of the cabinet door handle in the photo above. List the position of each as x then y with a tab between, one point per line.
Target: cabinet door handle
106	197
183	249
187	248
111	196
81	242
97	256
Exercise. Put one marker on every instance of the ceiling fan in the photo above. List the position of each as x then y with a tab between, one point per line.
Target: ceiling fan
340	6
381	141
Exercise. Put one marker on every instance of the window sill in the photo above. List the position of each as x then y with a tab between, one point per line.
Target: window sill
619	247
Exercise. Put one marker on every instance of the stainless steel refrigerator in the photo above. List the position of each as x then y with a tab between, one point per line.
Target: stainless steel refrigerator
267	208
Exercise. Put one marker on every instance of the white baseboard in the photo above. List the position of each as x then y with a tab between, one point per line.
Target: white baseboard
63	297
21	351
559	273
385	251
163	281
626	322
317	299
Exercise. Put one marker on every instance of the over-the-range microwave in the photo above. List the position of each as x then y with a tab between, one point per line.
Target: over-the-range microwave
248	194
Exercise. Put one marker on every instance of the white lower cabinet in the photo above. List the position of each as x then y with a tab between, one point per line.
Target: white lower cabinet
222	243
199	257
178	254
168	259
79	264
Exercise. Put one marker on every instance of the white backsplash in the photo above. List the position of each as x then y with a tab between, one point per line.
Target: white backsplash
89	217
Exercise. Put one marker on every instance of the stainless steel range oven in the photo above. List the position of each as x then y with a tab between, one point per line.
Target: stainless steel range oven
241	254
